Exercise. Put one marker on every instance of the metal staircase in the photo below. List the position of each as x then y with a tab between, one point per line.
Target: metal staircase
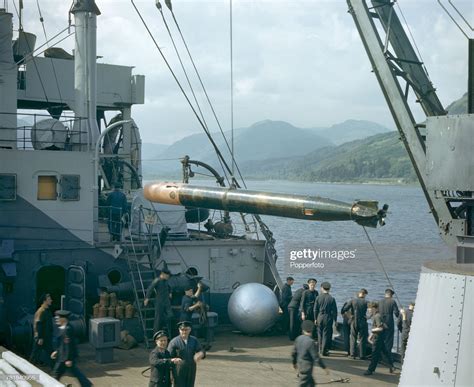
142	274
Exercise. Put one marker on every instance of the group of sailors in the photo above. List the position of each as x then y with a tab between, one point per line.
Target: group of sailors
313	314
60	352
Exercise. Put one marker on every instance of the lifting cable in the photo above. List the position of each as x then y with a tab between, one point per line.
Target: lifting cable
381	264
158	5
51	59
168	4
20	29
218	152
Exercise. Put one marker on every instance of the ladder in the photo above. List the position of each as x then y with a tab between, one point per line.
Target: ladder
142	274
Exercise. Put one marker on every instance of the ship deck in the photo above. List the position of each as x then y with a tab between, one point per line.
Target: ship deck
233	360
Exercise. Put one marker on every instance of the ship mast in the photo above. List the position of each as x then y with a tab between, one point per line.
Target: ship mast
85	71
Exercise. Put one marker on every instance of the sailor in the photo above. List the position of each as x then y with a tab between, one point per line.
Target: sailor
43	332
305	355
117	203
285	299
188	349
379	330
404	325
163	311
357	308
161	362
346	327
325	313
294	312
307	302
190	302
66	353
387	308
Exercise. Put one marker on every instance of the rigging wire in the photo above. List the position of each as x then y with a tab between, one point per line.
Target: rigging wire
231	84
29	49
413	39
168	3
381	264
51	59
218	152
452	18
158	5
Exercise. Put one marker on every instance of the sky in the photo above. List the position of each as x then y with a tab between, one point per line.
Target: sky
298	61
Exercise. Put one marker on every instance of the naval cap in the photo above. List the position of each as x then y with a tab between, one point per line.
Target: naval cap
62	313
159	334
166	271
184	324
326	285
389	291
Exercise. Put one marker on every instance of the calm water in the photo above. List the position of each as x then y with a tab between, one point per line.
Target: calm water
409	237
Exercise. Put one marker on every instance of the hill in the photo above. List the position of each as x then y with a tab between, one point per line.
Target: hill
377	157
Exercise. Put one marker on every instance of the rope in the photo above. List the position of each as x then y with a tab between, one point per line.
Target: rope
33	58
51	59
158	5
218	152
168	3
231	84
381	264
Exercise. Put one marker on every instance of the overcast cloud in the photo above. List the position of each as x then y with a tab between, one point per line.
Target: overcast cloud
298	61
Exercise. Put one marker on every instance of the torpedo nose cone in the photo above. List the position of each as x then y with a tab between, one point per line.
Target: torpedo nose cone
253	308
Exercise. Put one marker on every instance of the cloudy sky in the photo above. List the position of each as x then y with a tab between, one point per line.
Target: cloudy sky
297	61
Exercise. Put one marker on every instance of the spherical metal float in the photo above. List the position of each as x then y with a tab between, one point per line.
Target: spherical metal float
253	308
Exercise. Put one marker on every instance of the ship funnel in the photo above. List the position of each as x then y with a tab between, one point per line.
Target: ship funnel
365	213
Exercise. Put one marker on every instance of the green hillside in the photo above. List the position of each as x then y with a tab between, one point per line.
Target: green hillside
377	157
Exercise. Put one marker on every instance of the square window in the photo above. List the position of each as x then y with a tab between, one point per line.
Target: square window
7	186
70	187
47	188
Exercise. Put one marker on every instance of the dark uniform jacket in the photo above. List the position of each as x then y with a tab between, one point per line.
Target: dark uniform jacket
357	307
118	202
325	304
305	355
162	291
67	349
161	365
405	325
186	371
307	302
285	297
186	303
387	308
43	325
296	299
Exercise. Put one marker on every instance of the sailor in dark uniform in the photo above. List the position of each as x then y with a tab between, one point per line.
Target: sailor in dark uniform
295	313
188	349
66	353
161	362
163	311
117	203
379	330
387	308
307	302
190	303
357	308
404	325
305	355
346	327
285	299
43	332
325	313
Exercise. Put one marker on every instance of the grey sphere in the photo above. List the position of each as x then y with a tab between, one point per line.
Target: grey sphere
253	308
